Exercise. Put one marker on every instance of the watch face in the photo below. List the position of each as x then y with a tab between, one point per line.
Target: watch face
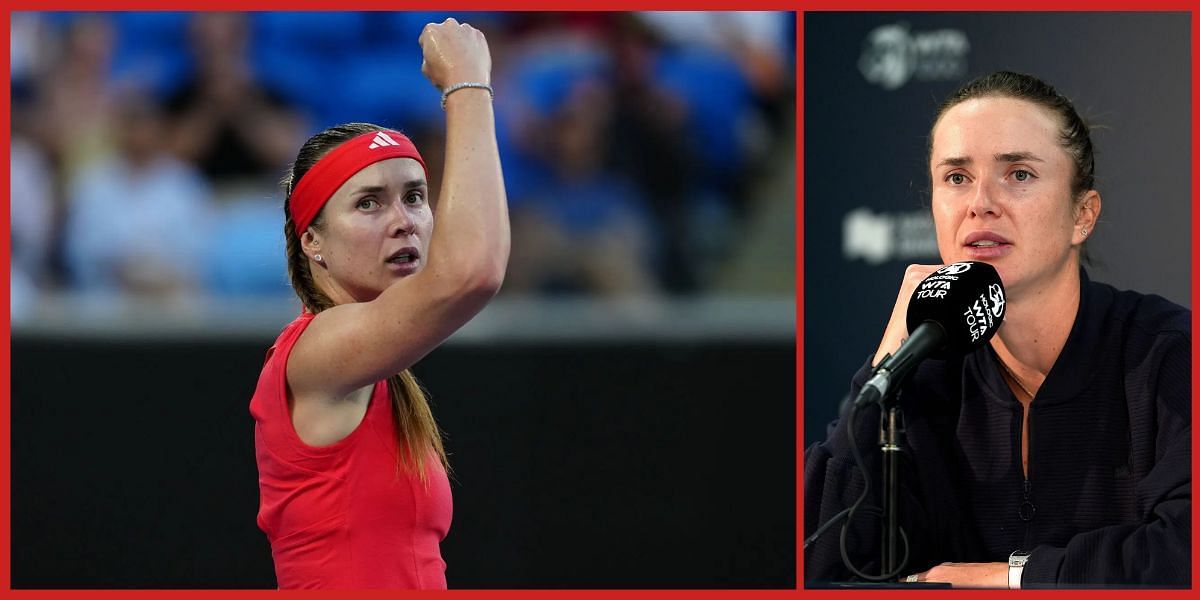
1018	558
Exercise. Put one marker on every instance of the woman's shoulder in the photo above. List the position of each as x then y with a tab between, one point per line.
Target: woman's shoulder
1150	338
1145	314
276	358
291	332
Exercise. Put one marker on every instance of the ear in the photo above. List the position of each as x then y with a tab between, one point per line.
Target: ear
310	243
1087	216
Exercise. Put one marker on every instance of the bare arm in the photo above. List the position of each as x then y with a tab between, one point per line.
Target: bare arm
356	344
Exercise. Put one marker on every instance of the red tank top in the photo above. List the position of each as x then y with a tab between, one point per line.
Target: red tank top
344	516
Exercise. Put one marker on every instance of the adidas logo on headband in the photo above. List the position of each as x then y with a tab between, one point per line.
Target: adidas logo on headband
382	139
341	163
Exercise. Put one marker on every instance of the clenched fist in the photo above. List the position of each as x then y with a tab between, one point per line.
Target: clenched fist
897	327
454	53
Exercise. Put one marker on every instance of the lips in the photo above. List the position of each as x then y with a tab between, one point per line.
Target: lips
985	245
404	261
404	256
985	239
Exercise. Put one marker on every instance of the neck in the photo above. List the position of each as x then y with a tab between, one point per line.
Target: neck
326	285
1036	325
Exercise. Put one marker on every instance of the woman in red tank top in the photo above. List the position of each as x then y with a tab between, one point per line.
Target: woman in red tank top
352	473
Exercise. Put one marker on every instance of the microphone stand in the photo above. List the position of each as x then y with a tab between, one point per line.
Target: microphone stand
884	388
891	436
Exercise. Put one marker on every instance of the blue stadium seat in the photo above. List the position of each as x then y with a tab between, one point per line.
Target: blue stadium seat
718	97
151	49
251	246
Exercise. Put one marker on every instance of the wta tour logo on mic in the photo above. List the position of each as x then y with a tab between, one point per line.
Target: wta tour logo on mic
967	298
953	311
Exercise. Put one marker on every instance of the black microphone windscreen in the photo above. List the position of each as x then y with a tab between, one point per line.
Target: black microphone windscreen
966	299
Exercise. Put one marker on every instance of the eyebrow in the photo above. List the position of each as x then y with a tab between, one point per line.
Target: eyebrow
1022	156
375	189
1008	157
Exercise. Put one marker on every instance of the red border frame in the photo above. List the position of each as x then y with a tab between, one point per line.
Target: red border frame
301	5
5	368
796	5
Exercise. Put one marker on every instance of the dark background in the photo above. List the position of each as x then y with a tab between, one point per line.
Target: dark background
865	147
605	465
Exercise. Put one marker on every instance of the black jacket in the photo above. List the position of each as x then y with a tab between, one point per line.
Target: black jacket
1109	458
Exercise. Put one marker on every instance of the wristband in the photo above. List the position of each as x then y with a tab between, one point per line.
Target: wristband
467	84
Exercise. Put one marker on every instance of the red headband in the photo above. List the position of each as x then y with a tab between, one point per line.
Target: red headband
325	177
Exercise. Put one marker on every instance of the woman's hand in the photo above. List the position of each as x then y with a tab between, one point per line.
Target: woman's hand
897	327
969	575
454	53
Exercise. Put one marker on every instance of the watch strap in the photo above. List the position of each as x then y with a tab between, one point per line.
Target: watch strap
1016	567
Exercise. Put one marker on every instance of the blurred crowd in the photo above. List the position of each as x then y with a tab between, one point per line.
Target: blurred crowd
146	148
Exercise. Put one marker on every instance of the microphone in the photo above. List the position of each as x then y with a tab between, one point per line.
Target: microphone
953	311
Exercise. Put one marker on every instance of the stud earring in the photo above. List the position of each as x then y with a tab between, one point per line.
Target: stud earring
1084	232
317	257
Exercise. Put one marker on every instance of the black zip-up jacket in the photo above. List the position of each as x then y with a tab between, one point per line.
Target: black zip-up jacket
1107	500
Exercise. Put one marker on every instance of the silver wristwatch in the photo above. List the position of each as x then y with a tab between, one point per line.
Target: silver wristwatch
1016	566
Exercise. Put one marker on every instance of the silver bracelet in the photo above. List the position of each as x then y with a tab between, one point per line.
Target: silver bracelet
468	84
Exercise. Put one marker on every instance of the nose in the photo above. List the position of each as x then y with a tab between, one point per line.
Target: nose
403	222
983	201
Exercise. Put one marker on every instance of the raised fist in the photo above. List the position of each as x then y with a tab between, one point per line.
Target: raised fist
454	53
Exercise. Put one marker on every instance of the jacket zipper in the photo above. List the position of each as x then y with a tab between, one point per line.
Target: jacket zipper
1027	510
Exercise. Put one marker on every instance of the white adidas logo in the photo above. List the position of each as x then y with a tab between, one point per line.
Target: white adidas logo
382	139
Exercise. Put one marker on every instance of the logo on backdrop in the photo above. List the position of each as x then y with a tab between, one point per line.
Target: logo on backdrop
879	237
892	55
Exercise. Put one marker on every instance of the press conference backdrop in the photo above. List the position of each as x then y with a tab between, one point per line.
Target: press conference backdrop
872	83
